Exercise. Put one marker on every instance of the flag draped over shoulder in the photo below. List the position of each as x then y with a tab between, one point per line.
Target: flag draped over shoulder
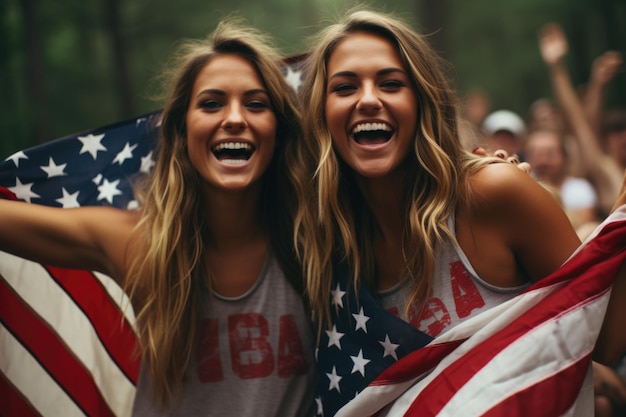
67	344
528	356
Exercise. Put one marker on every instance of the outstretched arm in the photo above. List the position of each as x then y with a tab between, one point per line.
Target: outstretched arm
93	238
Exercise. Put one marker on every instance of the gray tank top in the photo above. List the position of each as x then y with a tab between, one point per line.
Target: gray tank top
255	356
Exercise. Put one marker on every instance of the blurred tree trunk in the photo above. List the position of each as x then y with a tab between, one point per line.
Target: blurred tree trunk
580	57
309	13
433	15
613	13
35	74
615	34
8	92
119	68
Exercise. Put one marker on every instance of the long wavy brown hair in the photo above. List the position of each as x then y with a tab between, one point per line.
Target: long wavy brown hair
169	268
332	205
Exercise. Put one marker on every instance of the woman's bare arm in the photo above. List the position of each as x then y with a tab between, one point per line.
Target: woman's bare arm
93	238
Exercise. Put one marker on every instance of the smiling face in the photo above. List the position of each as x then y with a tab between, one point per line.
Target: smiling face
371	108
231	126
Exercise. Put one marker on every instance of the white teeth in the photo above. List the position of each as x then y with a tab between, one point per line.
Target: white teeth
233	161
233	145
371	127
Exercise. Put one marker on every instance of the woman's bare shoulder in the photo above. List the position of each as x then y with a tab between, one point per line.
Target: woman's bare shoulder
523	215
500	186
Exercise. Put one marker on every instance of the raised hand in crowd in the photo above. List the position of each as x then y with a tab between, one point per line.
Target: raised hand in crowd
603	71
599	168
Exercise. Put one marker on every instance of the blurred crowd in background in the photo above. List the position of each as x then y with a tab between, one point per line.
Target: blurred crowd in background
576	146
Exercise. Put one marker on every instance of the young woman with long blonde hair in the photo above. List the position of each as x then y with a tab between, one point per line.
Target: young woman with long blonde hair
433	232
207	259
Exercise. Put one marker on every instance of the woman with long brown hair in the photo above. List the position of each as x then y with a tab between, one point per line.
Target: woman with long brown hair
207	259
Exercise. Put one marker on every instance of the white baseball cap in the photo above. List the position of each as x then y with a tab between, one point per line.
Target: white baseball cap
504	120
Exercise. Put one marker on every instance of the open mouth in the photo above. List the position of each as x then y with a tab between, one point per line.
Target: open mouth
233	153
372	133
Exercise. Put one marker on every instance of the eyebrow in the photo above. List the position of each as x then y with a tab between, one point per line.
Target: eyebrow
246	93
352	74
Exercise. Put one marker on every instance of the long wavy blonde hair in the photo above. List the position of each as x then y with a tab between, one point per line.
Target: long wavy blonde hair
169	267
437	180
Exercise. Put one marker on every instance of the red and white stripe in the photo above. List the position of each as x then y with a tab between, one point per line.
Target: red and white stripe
528	356
66	342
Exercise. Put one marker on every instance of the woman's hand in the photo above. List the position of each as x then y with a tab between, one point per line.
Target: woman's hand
502	154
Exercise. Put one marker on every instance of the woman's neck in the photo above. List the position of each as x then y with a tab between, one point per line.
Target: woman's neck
384	197
234	218
237	246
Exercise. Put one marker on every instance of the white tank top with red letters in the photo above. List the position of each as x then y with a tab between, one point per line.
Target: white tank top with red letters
458	293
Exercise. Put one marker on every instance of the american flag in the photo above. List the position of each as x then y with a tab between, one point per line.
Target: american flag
527	356
66	336
67	342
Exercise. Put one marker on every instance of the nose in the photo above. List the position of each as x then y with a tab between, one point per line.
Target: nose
369	100
234	119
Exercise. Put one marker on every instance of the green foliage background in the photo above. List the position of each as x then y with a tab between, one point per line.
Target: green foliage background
491	44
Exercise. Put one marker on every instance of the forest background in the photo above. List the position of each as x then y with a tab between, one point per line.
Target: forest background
71	65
